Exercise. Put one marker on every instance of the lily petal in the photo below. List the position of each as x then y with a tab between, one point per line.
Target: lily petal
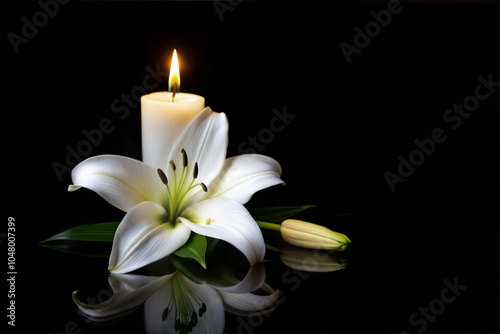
205	142
122	181
253	280
129	292
228	220
248	303
142	238
244	175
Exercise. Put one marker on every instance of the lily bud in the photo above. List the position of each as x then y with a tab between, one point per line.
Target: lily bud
309	235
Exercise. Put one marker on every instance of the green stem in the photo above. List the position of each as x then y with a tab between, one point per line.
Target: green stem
269	226
272	248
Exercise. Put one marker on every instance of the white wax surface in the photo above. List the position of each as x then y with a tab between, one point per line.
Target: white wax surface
162	121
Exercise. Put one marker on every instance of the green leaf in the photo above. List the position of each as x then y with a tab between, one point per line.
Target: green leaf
92	232
189	268
195	248
82	248
220	275
277	214
92	240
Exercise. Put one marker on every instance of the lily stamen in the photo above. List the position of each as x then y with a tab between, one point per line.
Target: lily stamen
186	305
182	192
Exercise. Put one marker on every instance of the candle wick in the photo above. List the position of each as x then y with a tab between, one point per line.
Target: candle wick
174	91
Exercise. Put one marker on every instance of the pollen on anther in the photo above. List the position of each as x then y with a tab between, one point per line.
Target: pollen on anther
173	165
164	314
195	171
208	221
162	176
184	158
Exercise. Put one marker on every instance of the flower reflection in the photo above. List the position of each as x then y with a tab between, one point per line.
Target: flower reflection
184	306
174	303
312	260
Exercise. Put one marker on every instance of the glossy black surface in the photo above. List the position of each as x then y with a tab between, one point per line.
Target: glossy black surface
352	121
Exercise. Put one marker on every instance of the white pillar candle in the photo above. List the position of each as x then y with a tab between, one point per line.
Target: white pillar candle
163	121
163	117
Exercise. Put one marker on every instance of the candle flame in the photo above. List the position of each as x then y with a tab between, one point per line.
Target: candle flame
174	78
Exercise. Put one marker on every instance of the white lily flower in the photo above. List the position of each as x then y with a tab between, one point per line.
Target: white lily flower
199	191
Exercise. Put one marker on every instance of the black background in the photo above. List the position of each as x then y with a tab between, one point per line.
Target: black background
352	122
